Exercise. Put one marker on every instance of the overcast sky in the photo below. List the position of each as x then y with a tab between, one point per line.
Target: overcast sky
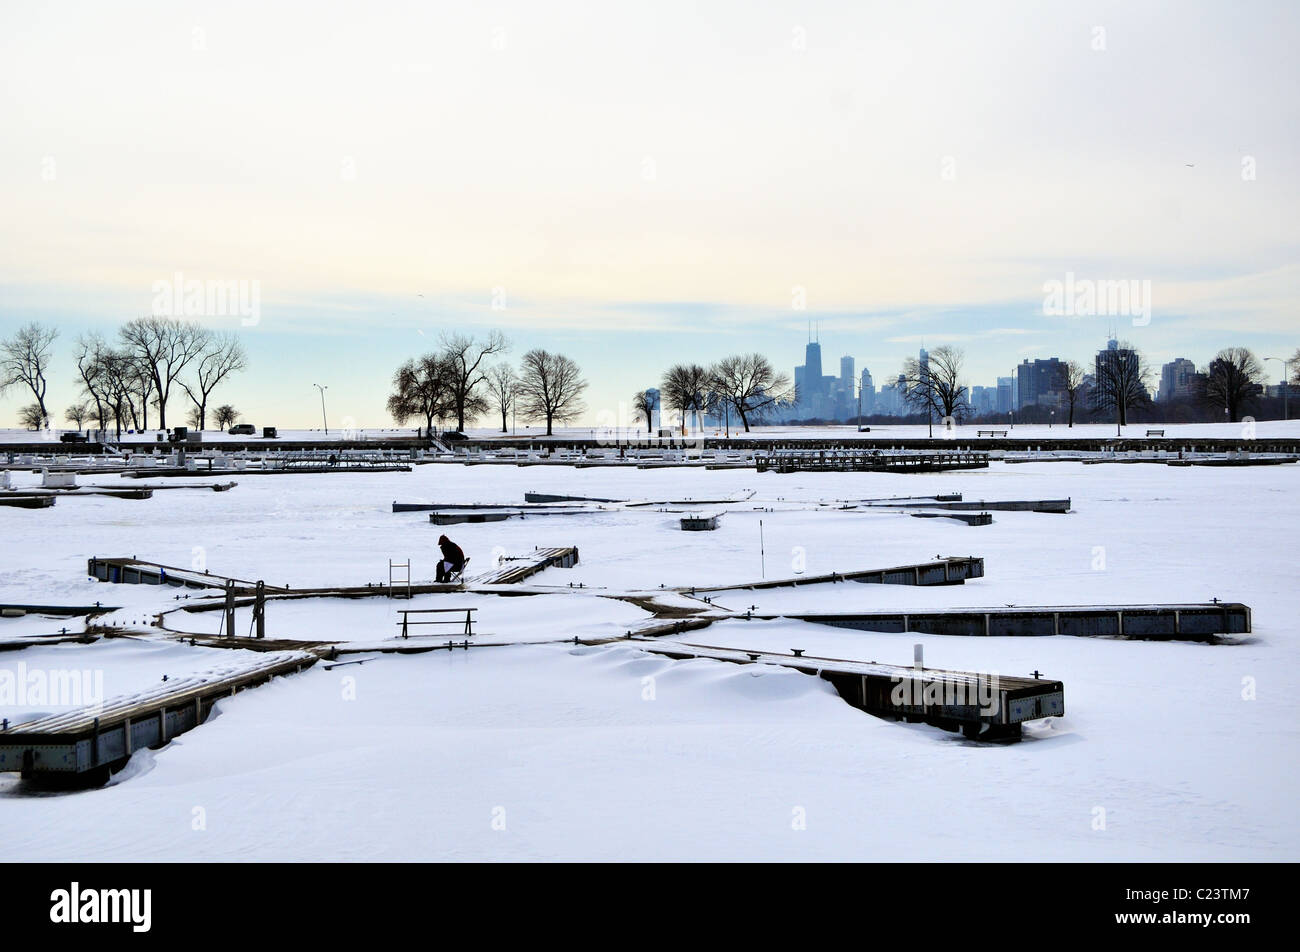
635	184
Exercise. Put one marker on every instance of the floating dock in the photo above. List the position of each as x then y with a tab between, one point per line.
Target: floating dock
11	610
1190	622
952	570
969	518
700	521
867	461
984	706
517	569
140	572
26	501
88	742
997	505
451	517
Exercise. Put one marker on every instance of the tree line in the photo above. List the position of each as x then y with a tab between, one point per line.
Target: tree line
746	385
467	377
151	361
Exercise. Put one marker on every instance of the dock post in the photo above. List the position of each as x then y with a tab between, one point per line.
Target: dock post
259	609
230	609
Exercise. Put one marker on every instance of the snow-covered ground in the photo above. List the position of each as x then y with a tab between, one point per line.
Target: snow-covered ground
551	751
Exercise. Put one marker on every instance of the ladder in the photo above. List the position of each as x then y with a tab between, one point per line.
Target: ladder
399	573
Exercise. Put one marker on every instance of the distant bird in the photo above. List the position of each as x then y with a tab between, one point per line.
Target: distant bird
1190	165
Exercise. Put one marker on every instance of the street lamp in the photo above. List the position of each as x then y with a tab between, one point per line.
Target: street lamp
1051	419
324	419
1011	415
1286	384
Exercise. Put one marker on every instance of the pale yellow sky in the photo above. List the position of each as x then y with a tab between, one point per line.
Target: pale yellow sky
883	157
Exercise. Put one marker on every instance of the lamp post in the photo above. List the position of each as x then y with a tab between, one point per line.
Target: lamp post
1051	419
324	419
1286	384
1011	415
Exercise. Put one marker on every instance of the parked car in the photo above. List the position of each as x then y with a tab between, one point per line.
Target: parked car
453	436
242	429
74	438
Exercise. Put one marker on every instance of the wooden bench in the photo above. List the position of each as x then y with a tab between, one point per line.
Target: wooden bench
467	622
1155	432
992	433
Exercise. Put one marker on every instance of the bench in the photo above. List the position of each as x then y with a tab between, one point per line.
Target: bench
1155	432
466	623
992	432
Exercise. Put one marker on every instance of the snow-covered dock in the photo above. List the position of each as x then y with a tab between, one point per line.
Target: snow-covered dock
1184	622
140	572
950	570
988	706
88	741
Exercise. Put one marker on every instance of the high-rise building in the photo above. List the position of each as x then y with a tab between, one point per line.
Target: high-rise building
1038	382
1006	400
868	391
1177	380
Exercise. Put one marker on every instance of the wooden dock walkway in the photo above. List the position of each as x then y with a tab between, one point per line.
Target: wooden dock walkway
984	706
515	570
951	570
141	572
1177	622
89	741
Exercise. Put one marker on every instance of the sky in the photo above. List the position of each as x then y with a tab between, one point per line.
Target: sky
640	184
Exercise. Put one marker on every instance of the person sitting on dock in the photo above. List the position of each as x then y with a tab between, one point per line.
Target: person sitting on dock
452	561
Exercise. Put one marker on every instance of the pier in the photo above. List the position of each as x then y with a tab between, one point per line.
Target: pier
88	742
1181	622
983	706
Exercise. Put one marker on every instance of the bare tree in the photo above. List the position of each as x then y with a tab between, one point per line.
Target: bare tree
166	346
685	389
25	361
464	355
77	413
643	404
502	383
750	385
91	354
1232	381
423	388
934	386
225	415
1072	379
31	416
550	388
118	380
221	356
1121	383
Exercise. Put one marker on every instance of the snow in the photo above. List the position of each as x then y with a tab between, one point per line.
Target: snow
607	752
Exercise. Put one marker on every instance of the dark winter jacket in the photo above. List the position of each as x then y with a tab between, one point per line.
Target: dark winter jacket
451	552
